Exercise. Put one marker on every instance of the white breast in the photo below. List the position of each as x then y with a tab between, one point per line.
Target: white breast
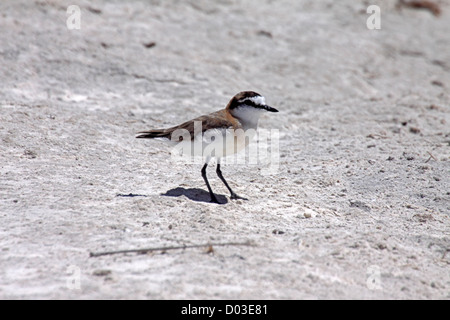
216	143
248	116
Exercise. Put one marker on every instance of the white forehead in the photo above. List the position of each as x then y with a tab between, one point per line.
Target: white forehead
258	100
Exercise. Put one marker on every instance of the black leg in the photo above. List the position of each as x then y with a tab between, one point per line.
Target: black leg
213	196
233	195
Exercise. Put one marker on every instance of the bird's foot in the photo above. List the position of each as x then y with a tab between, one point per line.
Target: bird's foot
234	196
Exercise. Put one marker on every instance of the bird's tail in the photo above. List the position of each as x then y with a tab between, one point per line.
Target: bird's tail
152	134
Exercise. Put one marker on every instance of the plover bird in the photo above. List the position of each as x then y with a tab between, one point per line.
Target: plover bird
218	134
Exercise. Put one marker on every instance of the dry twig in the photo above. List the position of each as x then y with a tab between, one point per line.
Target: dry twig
209	247
431	157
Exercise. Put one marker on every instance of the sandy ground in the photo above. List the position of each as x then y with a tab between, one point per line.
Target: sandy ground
358	208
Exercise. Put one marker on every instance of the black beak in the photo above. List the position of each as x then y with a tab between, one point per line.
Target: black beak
268	108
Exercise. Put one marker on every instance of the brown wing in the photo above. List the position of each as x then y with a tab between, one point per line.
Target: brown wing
219	119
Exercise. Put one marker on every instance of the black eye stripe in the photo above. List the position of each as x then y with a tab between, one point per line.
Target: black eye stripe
245	102
249	103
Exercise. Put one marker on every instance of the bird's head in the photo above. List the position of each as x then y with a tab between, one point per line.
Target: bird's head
248	106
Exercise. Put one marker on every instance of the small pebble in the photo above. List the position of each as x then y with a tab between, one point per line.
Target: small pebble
309	213
101	273
414	130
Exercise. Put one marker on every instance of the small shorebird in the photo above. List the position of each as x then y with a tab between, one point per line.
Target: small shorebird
218	134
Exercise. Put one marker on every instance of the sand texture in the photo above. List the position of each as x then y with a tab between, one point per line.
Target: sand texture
357	208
